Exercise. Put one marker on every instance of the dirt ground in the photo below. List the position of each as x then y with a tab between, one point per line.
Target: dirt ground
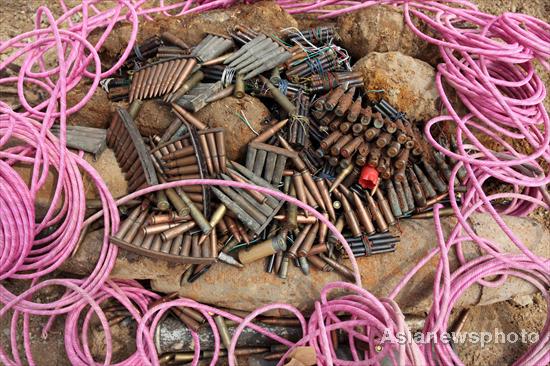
17	16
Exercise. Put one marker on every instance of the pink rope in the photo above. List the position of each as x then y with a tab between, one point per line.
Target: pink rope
490	68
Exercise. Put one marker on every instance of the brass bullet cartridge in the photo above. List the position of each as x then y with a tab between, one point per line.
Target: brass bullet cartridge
334	97
195	247
292	252
345	191
264	249
220	146
355	110
183	170
177	230
184	74
357	129
385	207
366	116
328	118
372	133
299	186
374	156
345	127
283	269
363	215
224	332
195	213
271	131
172	76
341	176
438	183
447	211
318	249
138	240
232	227
167	218
147	241
193	81
330	140
339	267
304	265
186	151
308	241
183	114
348	149
166	245
135	226
383	139
158	228
363	149
325	196
393	149
394	200
344	103
278	261
427	187
239	87
401	196
376	214
301	219
335	125
156	244
418	194
337	205
206	152
211	142
123	229
213	244
181	162
221	94
337	146
186	245
377	120
351	218
310	200
319	263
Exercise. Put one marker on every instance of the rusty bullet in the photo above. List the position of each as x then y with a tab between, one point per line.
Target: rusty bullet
334	97
271	131
363	215
355	110
348	149
393	199
376	214
341	176
427	187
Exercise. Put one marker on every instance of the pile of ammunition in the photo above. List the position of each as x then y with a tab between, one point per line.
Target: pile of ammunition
359	162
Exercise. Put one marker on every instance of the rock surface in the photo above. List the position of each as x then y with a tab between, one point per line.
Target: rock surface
408	83
96	113
153	118
225	113
382	29
248	288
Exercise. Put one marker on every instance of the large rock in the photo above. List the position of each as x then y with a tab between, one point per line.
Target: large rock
225	113
265	16
382	29
408	83
96	113
153	118
249	288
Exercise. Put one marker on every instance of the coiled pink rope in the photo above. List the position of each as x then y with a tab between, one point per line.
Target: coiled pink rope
489	67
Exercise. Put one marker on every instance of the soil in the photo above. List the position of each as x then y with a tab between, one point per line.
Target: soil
17	16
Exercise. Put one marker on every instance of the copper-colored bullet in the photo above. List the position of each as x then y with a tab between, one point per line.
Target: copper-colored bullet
402	158
344	103
181	162
339	267
308	241
134	227
193	81
177	230
393	149
383	139
186	245
337	146
355	110
319	263
213	244
176	245
292	252
427	187
232	226
351	218
298	182
394	200
357	129
206	153
376	214
195	247
175	40
182	77
348	149
264	249
148	241
158	228
385	207
372	133
183	170
166	245
341	176
363	215
220	146
188	117
211	142
323	189
156	244
172	77
182	153
271	131
334	97
383	163
317	249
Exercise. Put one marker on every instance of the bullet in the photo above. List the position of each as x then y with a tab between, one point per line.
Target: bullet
366	116
409	198
338	267
348	149
344	103
308	241
363	215
193	81
341	176
182	113
283	270
378	120
330	140
211	142
325	196
271	131
195	213
158	228
177	230
185	152
186	245
319	263
279	97
401	196
443	166
250	209
156	244
393	149
447	211
256	180
148	241
123	229
418	194
372	133
345	127
183	170
264	249
374	157
383	139
135	226
351	218
293	250
385	207
383	164
239	87
363	149
376	214
195	247
394	200
438	183
334	97
213	244
355	110
424	182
